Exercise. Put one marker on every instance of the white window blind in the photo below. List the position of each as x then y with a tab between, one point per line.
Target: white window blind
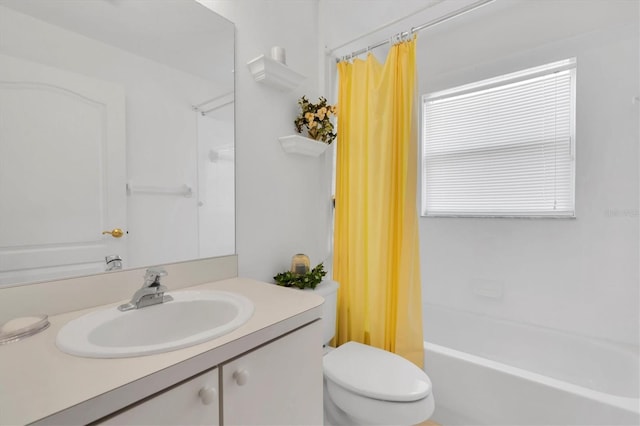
503	146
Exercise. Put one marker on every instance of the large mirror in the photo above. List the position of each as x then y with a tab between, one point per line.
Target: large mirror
116	136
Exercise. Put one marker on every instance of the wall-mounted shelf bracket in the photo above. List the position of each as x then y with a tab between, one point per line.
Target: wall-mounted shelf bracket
297	144
272	73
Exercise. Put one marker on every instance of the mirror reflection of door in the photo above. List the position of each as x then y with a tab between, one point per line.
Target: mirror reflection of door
52	222
167	57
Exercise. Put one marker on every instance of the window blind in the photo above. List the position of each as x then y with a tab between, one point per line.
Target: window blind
502	147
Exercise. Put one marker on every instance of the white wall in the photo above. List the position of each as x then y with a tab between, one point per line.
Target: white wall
580	275
282	200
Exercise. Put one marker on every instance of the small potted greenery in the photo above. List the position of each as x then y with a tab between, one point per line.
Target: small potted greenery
315	118
306	280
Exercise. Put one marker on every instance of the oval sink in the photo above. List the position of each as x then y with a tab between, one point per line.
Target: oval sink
192	317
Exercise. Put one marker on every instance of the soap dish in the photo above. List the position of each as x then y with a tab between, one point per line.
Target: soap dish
19	328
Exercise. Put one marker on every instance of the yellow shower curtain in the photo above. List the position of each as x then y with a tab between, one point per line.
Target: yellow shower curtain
376	253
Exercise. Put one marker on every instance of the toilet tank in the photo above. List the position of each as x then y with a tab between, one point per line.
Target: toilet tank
329	290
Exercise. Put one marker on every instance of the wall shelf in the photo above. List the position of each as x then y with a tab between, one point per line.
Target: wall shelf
296	144
272	73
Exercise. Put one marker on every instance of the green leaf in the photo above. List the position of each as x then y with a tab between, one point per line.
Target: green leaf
309	280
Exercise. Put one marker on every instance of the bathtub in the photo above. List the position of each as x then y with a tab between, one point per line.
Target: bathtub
487	371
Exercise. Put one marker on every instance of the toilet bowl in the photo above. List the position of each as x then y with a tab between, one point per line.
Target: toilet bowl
364	385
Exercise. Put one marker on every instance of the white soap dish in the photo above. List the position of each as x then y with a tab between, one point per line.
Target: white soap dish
19	328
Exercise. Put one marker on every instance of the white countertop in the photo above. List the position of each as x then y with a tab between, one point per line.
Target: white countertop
38	381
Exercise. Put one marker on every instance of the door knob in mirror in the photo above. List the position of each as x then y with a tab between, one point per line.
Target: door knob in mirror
115	232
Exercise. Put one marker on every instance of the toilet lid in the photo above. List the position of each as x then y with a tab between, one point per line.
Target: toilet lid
375	373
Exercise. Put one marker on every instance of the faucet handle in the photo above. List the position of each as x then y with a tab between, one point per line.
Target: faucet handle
152	276
151	292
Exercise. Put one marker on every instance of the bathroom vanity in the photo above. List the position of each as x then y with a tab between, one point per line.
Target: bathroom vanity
268	371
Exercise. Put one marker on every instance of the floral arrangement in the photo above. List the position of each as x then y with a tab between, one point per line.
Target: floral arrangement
316	119
309	280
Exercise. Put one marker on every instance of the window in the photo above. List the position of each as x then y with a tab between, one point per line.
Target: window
503	146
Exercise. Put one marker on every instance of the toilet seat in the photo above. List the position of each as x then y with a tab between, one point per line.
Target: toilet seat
375	373
360	410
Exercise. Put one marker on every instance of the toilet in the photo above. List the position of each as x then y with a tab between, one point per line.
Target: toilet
364	385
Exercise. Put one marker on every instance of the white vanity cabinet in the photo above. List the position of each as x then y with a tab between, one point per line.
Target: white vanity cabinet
279	383
269	371
193	402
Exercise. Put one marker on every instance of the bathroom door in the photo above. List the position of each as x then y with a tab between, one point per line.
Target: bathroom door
62	172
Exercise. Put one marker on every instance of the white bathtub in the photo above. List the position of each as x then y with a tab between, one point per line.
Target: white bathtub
492	372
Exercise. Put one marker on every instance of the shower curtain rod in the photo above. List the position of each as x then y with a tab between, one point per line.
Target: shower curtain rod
429	24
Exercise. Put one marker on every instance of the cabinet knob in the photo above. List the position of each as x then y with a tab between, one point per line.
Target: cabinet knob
241	377
208	395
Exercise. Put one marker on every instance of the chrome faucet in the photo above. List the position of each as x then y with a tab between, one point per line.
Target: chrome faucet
151	292
114	262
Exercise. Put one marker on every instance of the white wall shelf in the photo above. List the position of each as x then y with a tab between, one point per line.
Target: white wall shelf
296	144
272	73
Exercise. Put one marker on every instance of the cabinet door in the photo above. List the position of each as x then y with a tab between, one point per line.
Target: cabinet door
194	402
277	384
